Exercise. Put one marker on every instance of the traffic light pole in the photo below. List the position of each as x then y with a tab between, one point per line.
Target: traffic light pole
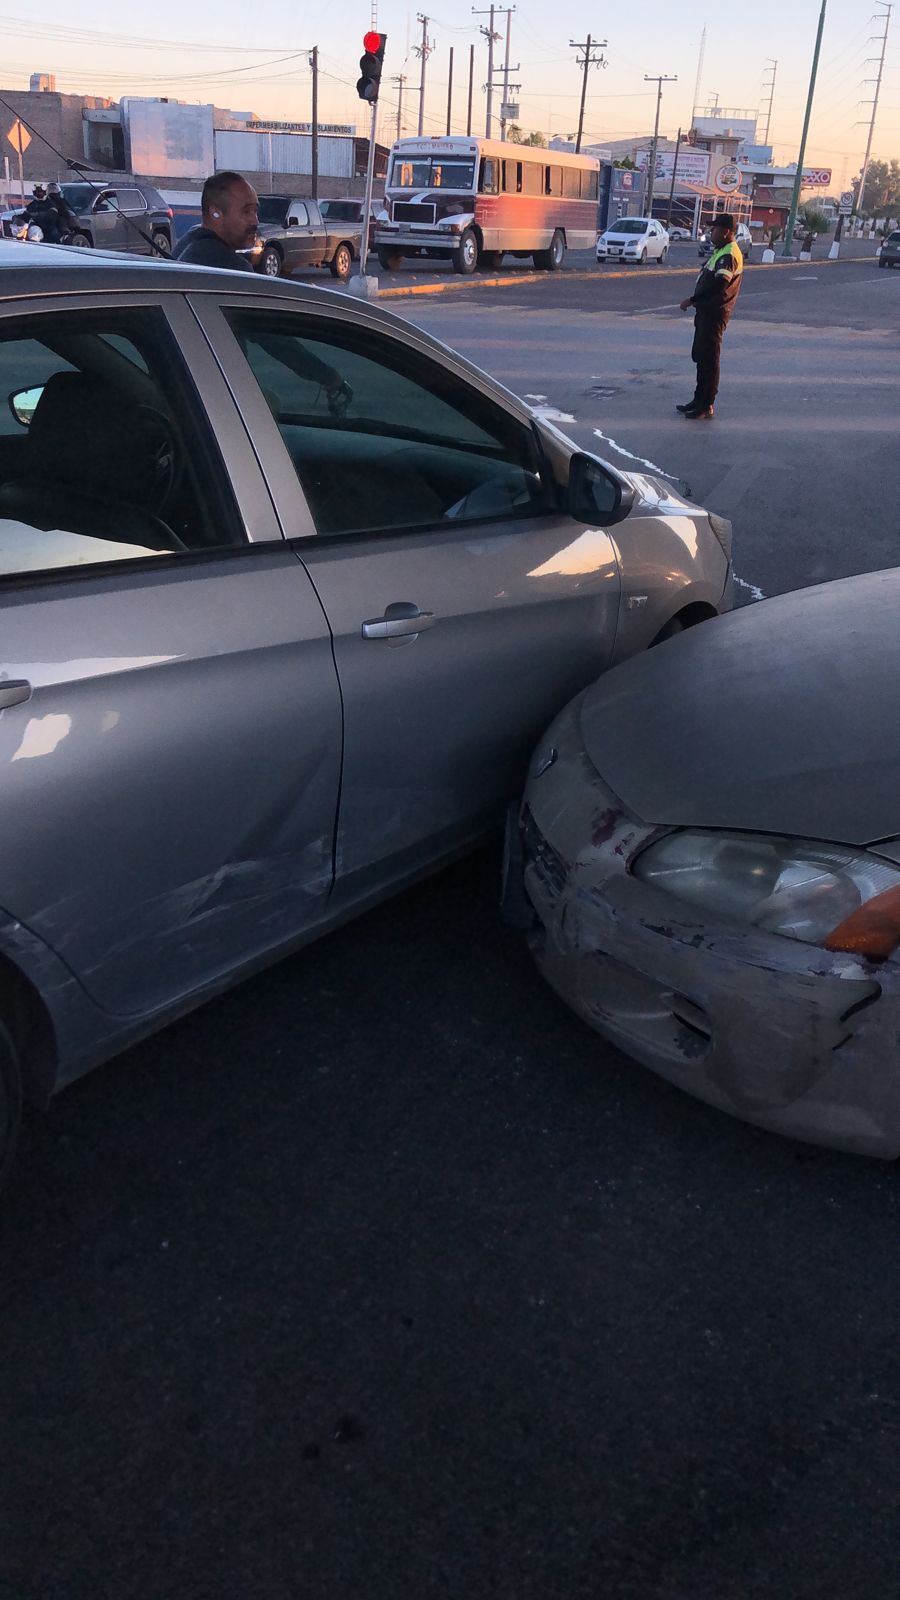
370	184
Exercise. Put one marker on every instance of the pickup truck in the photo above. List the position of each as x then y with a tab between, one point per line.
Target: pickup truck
293	233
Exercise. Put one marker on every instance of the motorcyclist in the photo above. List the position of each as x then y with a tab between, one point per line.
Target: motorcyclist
68	221
42	213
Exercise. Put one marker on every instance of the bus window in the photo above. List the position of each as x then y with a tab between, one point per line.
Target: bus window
590	185
553	180
571	183
532	175
489	176
512	177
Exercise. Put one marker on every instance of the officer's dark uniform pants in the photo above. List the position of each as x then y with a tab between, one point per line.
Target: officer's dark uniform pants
706	352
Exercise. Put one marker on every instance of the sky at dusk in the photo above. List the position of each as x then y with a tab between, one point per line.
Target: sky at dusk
255	58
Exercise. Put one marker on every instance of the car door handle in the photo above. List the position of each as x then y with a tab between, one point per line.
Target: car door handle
13	691
401	620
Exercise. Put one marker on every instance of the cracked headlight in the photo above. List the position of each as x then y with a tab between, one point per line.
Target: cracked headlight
795	887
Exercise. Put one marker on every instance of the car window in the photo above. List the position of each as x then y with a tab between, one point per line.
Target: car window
404	444
298	210
131	200
104	451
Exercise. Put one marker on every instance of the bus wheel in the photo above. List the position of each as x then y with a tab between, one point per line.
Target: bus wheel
551	260
390	260
465	257
490	260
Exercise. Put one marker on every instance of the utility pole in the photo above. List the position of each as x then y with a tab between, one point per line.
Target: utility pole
505	101
424	50
798	178
471	85
314	68
650	184
589	60
886	15
400	81
492	39
674	176
769	89
450	93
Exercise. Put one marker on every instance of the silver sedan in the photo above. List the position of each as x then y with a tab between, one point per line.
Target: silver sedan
710	840
289	590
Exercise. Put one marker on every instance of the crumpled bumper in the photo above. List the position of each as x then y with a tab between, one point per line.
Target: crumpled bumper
782	1034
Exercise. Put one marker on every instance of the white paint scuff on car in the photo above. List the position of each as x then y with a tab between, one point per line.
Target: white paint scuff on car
756	592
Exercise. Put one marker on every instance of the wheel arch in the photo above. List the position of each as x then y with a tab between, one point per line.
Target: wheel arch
33	1033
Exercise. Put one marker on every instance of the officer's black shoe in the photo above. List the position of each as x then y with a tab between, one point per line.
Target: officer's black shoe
688	407
698	416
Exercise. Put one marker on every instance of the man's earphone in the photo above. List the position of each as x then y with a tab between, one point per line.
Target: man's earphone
217	215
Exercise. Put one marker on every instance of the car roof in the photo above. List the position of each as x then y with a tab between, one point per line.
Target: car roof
47	269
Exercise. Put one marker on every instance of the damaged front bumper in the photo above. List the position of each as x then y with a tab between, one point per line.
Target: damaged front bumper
782	1034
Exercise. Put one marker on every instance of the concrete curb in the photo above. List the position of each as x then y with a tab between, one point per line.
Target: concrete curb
588	275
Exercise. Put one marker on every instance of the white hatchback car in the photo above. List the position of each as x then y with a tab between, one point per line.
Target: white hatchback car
633	239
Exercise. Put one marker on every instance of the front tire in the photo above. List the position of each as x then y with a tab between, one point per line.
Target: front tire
162	243
661	258
882	263
10	1102
341	263
389	260
82	241
270	263
465	256
642	259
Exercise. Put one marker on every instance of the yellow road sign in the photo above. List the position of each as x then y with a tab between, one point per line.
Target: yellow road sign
19	137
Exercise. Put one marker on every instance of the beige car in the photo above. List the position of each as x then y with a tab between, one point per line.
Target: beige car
289	591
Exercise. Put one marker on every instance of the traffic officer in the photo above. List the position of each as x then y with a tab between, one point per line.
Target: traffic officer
715	293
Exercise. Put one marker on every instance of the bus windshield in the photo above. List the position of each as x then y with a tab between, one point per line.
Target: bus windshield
433	172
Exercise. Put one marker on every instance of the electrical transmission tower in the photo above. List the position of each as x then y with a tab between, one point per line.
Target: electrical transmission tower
876	38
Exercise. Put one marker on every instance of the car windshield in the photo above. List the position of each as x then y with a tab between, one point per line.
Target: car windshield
629	225
271	208
433	172
893	238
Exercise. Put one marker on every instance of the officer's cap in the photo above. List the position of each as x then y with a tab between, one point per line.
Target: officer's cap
723	219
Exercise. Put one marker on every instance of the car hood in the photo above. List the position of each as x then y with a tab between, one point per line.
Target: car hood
776	718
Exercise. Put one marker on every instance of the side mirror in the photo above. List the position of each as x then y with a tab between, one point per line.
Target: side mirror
24	403
594	495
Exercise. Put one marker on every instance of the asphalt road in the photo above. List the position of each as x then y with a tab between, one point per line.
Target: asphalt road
383	1277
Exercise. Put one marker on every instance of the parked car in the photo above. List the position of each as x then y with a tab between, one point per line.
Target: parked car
294	234
712	863
633	239
289	590
131	216
742	235
888	251
677	232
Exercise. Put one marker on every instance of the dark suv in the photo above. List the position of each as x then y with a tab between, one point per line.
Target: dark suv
126	215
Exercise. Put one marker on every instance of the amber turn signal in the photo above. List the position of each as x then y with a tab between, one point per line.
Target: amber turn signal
872	930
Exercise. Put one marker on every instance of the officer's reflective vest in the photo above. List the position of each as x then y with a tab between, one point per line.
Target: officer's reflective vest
723	250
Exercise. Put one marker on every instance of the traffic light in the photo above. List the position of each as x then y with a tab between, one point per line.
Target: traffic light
370	66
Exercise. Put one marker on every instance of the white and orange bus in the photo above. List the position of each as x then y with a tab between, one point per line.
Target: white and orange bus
474	200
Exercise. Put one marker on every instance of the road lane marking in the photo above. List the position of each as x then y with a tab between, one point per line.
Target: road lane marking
642	460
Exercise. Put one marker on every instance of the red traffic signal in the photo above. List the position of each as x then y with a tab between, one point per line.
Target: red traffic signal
370	66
